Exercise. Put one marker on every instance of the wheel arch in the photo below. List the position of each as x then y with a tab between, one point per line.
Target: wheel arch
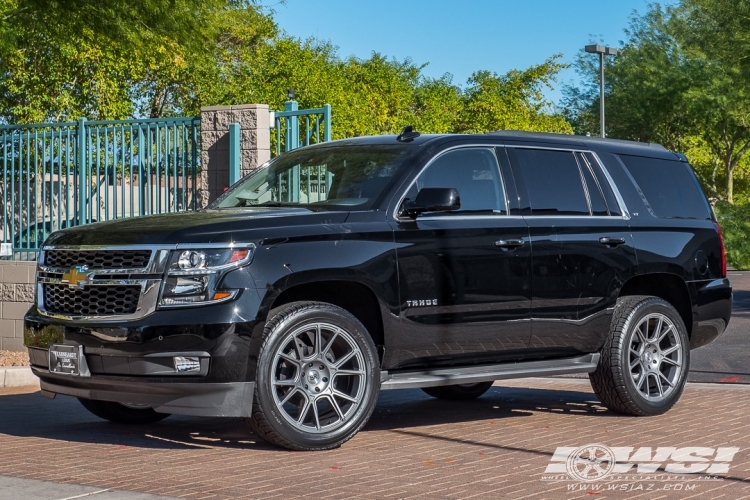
353	296
666	286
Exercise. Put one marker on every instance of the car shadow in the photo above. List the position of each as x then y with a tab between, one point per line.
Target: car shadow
64	419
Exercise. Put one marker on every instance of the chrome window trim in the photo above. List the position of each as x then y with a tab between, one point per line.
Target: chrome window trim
151	286
433	159
613	185
620	201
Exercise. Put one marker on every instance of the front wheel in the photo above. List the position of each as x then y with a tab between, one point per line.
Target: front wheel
317	379
122	413
459	391
645	360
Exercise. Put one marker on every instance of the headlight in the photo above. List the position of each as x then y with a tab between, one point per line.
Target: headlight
193	275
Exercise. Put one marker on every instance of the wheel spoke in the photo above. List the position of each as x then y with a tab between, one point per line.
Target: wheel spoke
341	395
657	330
640	382
346	358
329	344
285	383
304	411
664	333
315	414
671	362
635	363
635	353
661	375
298	347
289	358
289	396
670	350
336	407
349	372
639	331
318	340
658	386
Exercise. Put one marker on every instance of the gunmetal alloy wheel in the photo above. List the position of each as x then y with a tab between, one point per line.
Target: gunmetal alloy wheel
645	360
317	377
655	357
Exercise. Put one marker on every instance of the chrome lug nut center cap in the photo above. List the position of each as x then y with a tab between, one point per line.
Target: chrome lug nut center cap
317	377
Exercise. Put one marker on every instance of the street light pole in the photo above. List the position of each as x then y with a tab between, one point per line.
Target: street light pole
602	51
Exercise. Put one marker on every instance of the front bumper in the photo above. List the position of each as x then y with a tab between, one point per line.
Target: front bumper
230	399
132	361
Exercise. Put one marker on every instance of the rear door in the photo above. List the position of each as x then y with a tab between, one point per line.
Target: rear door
582	249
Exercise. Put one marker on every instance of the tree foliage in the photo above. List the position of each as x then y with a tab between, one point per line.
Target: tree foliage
61	60
681	79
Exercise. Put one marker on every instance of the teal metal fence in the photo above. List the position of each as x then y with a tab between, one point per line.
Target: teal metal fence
57	175
301	127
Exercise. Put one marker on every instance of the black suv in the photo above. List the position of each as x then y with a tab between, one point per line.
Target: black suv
442	262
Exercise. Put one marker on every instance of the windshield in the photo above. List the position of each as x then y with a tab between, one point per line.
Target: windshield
320	178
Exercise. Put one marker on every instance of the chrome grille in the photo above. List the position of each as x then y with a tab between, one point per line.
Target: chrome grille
97	259
97	300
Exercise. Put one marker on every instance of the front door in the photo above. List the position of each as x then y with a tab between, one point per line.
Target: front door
464	275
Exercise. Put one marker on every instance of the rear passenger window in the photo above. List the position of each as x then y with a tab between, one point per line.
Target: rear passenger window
553	181
670	187
609	195
598	206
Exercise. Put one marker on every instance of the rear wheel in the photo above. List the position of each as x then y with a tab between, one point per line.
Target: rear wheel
317	380
645	361
122	413
459	391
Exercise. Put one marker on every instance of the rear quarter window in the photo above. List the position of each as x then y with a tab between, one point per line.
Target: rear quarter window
670	187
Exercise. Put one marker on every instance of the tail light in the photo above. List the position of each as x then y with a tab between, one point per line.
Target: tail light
723	252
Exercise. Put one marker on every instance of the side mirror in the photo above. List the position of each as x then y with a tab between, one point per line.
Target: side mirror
433	200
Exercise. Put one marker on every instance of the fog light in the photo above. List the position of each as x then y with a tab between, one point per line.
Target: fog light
184	364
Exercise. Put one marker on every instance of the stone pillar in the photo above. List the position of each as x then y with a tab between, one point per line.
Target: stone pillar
255	145
16	297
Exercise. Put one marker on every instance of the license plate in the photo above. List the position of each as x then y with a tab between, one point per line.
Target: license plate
65	359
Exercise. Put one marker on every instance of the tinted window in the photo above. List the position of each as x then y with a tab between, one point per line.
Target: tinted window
670	187
320	178
553	181
474	172
598	206
609	195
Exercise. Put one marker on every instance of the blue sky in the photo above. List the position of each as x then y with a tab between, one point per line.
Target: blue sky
462	36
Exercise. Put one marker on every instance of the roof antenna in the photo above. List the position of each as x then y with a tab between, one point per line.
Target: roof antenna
408	134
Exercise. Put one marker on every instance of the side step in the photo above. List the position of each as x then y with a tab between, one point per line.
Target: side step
486	373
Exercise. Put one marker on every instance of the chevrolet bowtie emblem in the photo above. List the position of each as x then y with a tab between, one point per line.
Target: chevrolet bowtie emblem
76	277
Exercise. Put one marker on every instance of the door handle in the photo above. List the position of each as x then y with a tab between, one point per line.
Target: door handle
509	244
611	242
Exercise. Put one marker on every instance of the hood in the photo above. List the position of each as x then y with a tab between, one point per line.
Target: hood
206	226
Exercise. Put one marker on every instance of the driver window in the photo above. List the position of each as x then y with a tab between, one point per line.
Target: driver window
474	172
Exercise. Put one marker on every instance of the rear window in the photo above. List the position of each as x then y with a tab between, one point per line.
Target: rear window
670	187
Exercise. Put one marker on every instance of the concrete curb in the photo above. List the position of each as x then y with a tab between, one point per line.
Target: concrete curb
17	376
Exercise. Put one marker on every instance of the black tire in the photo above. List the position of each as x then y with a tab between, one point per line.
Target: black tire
458	392
619	387
291	331
121	414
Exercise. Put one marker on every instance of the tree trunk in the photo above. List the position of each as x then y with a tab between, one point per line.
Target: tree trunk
729	168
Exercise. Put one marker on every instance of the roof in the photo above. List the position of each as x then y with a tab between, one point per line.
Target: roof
579	140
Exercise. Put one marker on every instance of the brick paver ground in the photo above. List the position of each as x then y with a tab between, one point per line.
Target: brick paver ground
414	447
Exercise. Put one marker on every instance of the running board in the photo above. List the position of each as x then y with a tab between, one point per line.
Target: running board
486	373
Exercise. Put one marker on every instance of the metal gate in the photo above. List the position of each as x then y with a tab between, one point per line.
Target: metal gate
58	175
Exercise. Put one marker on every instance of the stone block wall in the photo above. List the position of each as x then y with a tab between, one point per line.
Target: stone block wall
16	297
255	145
